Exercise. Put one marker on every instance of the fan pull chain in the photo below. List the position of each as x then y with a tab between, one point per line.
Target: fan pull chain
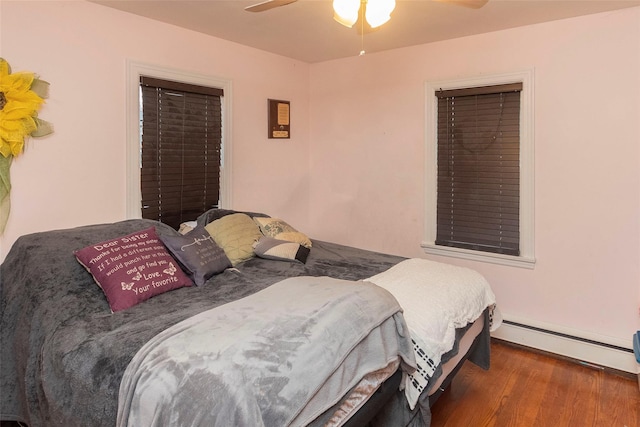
362	52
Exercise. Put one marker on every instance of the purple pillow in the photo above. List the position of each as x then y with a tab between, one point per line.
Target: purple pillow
132	268
198	253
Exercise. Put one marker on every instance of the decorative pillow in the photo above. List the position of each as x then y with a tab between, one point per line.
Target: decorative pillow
217	213
270	248
236	234
278	229
198	253
132	268
187	226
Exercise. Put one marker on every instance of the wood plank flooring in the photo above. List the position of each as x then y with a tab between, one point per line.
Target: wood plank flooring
526	388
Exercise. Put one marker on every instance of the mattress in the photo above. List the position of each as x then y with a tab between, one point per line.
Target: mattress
464	346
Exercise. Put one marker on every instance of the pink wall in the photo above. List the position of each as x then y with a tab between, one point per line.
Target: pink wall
354	170
76	176
367	162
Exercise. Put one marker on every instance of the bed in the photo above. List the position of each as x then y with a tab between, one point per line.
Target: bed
302	332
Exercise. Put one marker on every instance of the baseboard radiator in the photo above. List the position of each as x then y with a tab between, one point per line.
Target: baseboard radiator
594	350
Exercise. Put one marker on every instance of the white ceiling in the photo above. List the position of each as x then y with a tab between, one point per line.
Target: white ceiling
305	30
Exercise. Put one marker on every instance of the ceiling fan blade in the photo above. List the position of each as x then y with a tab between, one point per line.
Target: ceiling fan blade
266	5
473	4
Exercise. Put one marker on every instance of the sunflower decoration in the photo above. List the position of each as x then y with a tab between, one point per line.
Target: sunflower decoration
21	96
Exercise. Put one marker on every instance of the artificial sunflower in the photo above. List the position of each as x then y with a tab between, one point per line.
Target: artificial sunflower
21	96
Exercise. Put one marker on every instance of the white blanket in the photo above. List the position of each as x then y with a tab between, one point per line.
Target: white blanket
436	298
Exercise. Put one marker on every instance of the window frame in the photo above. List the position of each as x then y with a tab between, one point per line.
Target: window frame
526	259
134	159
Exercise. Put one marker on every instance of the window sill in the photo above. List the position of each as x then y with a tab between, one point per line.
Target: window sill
508	260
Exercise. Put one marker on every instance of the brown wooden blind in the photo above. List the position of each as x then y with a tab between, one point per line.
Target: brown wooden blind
181	129
478	168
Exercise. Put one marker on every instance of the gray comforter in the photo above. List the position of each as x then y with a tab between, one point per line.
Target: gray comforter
63	353
279	357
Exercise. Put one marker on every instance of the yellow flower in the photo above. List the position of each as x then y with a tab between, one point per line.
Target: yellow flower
18	109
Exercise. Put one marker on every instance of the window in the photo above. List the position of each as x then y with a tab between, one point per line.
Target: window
222	145
479	169
181	139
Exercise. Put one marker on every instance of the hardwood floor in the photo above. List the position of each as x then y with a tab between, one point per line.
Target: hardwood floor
526	388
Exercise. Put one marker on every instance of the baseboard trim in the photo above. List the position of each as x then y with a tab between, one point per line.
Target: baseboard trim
595	351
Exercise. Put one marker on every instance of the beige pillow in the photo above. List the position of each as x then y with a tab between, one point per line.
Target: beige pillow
278	229
235	234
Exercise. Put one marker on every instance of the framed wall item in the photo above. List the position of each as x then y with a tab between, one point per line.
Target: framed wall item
279	119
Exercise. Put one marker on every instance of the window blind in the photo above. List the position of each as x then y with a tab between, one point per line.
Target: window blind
478	168
181	140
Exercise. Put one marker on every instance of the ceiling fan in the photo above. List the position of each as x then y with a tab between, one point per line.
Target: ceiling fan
348	12
369	14
270	4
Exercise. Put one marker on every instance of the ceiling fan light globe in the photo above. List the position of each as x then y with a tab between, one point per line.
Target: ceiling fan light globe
379	11
346	11
377	20
346	22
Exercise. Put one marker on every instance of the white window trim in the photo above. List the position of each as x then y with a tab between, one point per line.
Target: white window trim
134	71
526	259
